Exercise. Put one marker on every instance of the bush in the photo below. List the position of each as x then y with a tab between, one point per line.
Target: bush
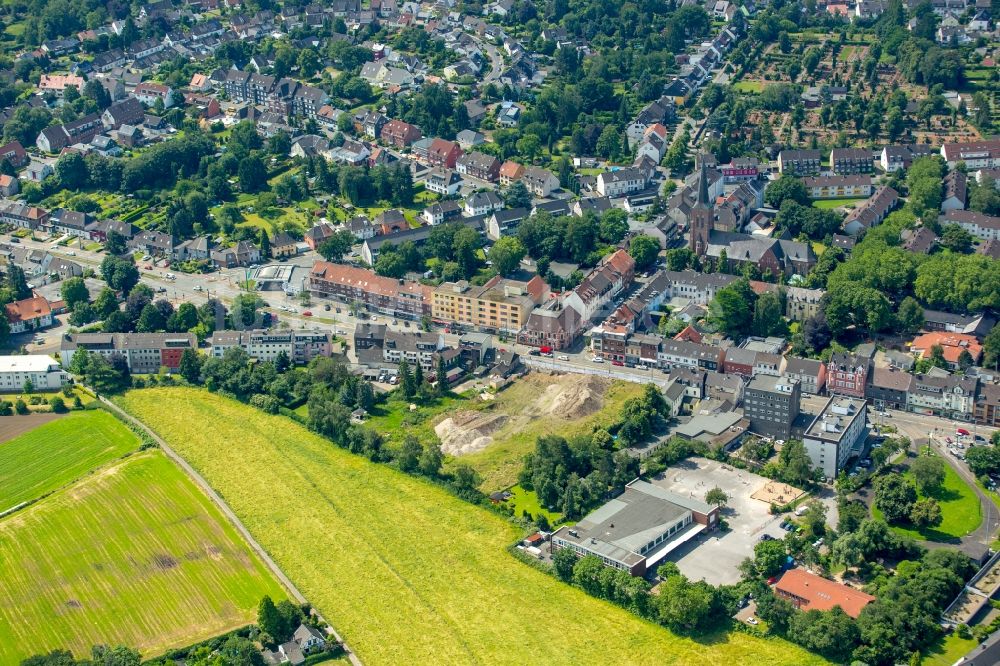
58	405
21	407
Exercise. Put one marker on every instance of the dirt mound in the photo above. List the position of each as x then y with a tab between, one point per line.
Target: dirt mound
573	400
467	432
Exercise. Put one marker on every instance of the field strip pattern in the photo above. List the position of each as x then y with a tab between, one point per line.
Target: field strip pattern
134	554
406	572
58	453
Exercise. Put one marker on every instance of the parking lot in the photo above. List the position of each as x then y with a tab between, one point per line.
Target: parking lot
715	557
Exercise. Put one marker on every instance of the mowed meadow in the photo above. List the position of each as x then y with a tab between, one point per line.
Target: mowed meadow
406	572
129	551
58	453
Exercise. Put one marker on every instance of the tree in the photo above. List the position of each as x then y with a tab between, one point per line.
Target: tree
815	518
926	513
910	316
430	461
983	459
150	320
115	243
517	196
71	171
685	606
768	315
17	282
441	376
409	454
894	497
564	560
928	473
644	250
106	303
406	383
74	291
57	404
336	246
252	174
785	188
731	309
796	466
119	655
269	619
120	274
190	366
716	496
769	556
956	239
506	255
613	226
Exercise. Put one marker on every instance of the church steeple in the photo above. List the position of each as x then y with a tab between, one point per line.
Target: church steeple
702	215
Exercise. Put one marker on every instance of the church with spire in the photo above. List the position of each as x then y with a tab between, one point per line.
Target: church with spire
717	240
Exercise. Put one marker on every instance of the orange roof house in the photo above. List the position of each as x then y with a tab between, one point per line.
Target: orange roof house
808	591
952	344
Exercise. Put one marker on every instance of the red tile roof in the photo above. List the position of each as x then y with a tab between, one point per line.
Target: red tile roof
814	592
952	344
28	309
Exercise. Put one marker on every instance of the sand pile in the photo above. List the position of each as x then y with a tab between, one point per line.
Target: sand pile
573	400
468	432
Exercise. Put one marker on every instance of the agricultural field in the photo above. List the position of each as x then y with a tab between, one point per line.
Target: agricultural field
405	571
58	453
133	554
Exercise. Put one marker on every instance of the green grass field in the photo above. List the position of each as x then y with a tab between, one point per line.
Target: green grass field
961	511
405	571
947	650
830	204
753	87
58	453
134	554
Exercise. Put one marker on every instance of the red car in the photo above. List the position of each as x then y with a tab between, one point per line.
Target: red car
619	363
963	432
307	313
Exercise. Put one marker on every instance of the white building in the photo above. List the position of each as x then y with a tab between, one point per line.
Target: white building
836	433
621	182
44	373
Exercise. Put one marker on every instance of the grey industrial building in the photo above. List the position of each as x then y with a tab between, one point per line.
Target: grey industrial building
772	405
637	529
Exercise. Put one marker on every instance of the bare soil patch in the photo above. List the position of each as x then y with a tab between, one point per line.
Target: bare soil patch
468	432
14	426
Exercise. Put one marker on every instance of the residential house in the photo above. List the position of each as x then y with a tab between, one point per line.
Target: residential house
499	305
29	314
510	172
602	285
315	236
129	111
440	212
871	211
950	396
896	157
283	245
399	134
482	203
975	154
9	186
810	373
504	222
143	353
14	153
443	153
443	181
845	161
955	191
148	93
620	182
837	187
539	182
952	345
478	165
847	374
982	226
799	162
53	139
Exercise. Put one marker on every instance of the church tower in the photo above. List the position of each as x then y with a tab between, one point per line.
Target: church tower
701	216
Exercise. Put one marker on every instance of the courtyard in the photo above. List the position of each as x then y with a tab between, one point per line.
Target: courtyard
715	557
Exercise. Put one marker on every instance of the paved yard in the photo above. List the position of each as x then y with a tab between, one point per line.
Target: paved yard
715	557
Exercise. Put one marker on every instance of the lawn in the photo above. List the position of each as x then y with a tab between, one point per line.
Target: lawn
135	554
527	500
58	453
960	510
405	571
830	204
754	87
947	650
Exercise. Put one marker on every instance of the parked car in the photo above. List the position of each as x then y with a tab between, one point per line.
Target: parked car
597	359
534	352
752	620
618	363
563	357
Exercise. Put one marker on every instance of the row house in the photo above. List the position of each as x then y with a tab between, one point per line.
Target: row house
847	374
979	225
810	373
349	284
553	324
896	157
149	93
975	154
685	354
986	409
510	173
539	182
143	353
399	134
299	347
799	162
740	169
440	212
662	111
837	187
21	215
950	396
872	211
956	191
602	285
889	388
443	153
621	182
478	165
54	139
846	161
